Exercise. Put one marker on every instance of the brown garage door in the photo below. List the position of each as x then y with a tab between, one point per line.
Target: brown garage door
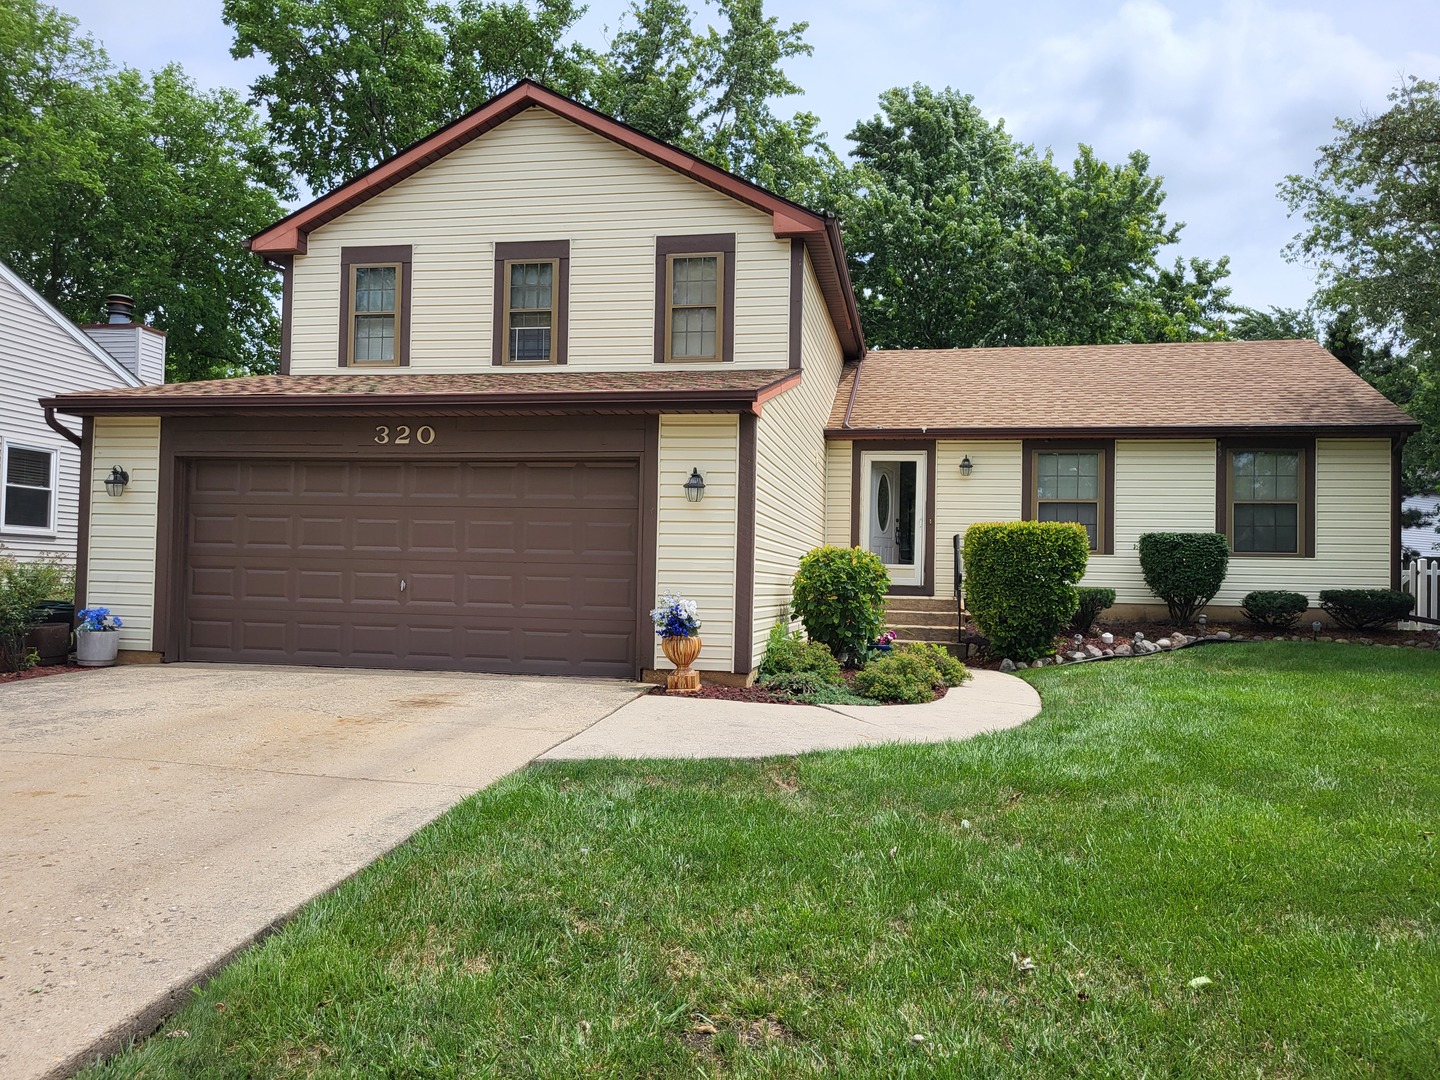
476	566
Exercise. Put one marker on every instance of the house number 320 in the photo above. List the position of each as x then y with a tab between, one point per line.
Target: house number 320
403	435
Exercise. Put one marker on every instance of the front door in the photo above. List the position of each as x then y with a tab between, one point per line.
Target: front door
894	512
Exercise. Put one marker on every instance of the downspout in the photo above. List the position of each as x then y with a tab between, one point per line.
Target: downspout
854	389
61	428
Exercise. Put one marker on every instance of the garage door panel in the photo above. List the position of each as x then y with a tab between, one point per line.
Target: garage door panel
507	566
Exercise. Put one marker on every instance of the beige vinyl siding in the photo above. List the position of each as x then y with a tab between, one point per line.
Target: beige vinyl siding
121	569
538	177
839	458
43	358
790	466
990	493
695	542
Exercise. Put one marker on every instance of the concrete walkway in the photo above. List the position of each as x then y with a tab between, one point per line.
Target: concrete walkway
675	727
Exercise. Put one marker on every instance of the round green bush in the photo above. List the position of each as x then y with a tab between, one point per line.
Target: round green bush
1274	609
1184	569
1092	601
839	594
1366	609
1020	578
901	677
790	654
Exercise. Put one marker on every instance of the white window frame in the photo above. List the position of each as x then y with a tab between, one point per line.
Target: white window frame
6	445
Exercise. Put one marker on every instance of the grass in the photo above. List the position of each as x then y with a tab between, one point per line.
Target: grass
1032	903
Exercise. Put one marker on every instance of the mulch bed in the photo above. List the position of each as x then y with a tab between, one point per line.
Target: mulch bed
762	696
42	672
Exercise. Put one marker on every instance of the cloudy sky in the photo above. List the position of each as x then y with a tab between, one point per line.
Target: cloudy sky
1226	97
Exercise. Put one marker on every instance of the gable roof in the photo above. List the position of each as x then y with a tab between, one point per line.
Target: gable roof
82	340
1202	387
819	232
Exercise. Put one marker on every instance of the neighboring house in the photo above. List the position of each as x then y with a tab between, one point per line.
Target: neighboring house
510	355
1422	540
44	354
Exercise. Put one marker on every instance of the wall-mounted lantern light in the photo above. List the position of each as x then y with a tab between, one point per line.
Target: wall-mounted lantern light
116	481
695	486
965	466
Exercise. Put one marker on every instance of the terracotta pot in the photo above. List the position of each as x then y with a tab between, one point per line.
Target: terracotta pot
96	648
682	651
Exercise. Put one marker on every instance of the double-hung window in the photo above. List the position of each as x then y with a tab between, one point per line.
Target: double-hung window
1267	500
532	285
375	307
694	298
28	485
1071	482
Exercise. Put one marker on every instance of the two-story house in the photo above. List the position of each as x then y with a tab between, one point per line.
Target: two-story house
540	368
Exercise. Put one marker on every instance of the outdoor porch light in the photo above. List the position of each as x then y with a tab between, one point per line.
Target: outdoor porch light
965	466
695	486
116	481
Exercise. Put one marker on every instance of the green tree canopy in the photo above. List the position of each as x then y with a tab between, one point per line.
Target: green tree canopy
959	236
1372	212
111	180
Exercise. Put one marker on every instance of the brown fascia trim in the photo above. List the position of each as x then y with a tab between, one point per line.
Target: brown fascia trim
797	303
557	251
1381	431
60	428
380	404
288	236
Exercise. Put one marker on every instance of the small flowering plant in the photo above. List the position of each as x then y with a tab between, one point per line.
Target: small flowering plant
887	638
676	617
98	618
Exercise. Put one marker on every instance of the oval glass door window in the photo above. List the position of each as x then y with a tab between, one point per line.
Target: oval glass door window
882	502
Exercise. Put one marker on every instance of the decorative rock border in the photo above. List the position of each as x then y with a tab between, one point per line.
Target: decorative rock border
1145	647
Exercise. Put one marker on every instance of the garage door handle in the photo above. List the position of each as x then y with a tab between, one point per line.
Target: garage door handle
402	584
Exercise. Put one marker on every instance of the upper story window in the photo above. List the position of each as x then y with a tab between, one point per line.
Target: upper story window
1267	499
695	298
375	307
1072	482
27	489
532	285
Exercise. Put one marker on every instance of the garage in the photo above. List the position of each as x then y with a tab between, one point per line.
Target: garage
509	566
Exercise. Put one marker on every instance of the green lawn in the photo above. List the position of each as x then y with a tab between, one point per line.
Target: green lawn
1262	815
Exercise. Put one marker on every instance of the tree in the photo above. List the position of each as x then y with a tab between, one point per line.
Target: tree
960	236
1372	212
1277	324
110	180
353	82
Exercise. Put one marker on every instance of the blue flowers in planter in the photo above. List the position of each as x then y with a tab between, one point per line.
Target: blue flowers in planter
676	617
98	618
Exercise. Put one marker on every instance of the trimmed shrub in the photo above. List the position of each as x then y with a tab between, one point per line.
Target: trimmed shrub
23	586
1366	609
791	654
1184	569
839	594
903	677
1092	602
796	682
1274	609
948	670
1020	577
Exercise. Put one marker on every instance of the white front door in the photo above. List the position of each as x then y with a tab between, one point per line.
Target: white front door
893	511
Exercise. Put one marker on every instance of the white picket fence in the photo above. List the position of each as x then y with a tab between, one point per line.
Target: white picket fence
1421	579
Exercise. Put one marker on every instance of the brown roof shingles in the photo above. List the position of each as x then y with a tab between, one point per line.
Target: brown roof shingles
1168	388
571	390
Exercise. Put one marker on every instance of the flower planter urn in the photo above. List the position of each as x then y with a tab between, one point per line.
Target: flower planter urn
681	651
96	648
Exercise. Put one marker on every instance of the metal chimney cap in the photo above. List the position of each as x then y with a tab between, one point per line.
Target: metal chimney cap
119	308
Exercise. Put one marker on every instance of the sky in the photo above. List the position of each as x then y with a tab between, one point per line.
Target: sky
1226	97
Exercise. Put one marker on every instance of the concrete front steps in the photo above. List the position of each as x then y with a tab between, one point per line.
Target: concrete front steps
921	618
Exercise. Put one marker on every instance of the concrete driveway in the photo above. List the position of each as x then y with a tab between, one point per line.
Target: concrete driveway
153	820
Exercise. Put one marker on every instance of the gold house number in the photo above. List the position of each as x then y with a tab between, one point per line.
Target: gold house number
404	434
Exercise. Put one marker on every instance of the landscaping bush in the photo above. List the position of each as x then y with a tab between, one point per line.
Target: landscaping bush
791	654
1365	609
1020	578
1184	569
948	670
909	675
1274	609
839	594
23	586
1092	602
796	682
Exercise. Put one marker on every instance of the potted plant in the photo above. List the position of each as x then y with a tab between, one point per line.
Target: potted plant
97	637
677	622
884	642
